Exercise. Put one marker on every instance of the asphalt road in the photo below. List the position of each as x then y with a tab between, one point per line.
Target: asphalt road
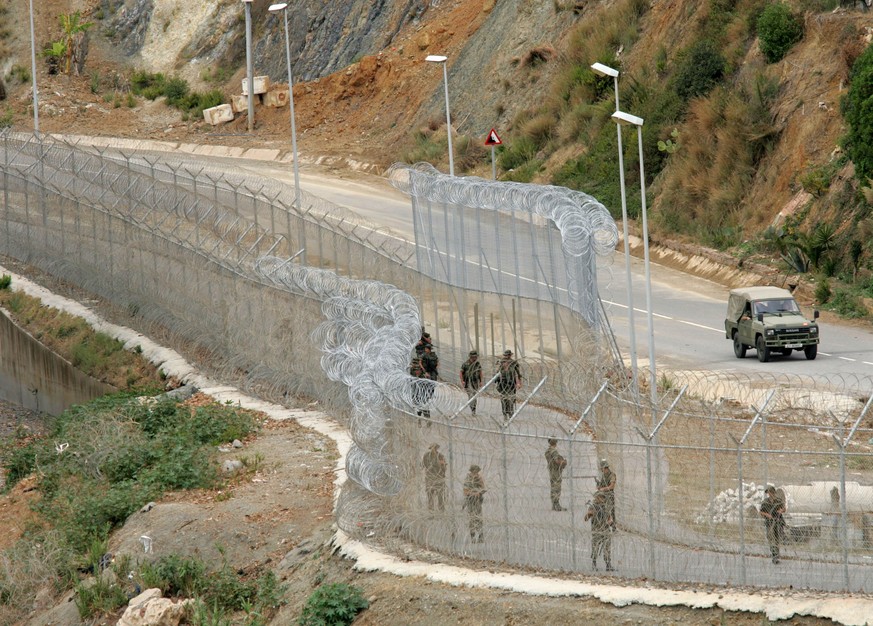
687	312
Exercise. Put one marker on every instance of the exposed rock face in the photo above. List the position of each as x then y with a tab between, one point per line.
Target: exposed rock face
130	24
324	36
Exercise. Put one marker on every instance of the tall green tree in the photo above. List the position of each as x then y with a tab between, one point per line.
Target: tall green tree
858	111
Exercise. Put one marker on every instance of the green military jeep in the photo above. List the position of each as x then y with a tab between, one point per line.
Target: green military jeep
769	320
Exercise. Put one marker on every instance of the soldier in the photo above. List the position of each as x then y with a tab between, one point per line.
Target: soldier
556	464
431	362
422	391
474	493
772	510
508	383
601	538
606	485
424	341
471	377
434	464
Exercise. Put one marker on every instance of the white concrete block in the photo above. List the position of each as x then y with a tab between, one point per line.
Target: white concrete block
277	98
218	115
239	103
261	85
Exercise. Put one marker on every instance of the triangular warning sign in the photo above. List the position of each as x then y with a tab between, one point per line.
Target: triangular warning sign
493	139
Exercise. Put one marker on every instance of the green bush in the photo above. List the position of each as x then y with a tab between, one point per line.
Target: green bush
848	304
778	30
700	71
823	291
175	575
334	604
5	281
858	111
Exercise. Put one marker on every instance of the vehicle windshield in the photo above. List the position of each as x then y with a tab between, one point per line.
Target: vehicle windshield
774	307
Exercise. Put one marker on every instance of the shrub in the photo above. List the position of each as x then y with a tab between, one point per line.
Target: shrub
334	604
175	575
778	30
5	281
823	291
701	70
858	112
848	304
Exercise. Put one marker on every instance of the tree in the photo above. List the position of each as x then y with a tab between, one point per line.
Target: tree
74	34
858	111
778	29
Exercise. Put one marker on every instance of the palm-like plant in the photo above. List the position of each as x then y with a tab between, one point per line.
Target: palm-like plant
73	27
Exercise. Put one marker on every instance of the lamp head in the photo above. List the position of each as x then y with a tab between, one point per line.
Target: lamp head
275	8
626	119
435	58
604	70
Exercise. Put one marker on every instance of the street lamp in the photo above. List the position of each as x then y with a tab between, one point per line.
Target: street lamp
275	8
33	71
249	70
435	58
626	119
604	70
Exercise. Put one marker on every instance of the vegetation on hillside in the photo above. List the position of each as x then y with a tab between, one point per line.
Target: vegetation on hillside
711	103
101	462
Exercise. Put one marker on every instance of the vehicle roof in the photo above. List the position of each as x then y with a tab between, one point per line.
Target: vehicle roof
761	293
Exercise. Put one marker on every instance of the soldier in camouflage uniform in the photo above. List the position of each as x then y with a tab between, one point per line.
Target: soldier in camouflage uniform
434	465
556	464
508	382
474	493
422	391
471	377
601	537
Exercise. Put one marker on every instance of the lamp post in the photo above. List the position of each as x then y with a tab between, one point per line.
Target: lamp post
605	70
249	77
275	8
435	58
626	119
33	71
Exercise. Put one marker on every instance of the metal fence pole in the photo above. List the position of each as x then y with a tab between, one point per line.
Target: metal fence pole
649	490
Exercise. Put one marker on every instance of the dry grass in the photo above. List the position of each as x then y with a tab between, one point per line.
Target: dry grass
94	353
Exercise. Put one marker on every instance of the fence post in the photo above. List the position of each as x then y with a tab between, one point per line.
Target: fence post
844	514
570	440
740	490
649	491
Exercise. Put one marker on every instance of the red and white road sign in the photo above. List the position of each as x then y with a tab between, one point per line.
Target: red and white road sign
493	139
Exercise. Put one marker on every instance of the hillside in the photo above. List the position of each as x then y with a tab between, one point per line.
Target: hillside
758	171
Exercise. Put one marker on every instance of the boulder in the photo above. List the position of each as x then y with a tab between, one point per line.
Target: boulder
218	115
150	609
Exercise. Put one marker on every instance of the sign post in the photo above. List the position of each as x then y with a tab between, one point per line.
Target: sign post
493	139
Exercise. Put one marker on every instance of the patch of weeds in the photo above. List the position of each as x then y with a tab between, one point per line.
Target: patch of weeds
848	304
5	281
334	604
6	118
99	596
174	575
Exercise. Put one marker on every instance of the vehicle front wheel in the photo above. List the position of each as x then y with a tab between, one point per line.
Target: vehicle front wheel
739	347
763	350
810	352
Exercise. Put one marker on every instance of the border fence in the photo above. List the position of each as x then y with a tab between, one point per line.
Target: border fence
310	300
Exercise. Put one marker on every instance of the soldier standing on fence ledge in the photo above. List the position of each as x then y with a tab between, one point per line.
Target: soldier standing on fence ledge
606	485
601	537
422	391
556	464
471	377
474	493
772	510
434	465
431	362
508	382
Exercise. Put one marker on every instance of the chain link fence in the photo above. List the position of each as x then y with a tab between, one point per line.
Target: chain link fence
286	300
